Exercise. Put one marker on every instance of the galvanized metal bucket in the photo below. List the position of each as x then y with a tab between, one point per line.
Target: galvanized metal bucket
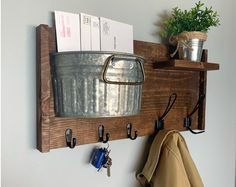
192	51
97	84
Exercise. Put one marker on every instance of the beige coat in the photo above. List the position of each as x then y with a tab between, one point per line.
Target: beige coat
169	163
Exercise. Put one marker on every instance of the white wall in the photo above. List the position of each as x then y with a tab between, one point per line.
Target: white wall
24	166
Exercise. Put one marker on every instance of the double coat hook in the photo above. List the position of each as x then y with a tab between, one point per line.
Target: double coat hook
69	143
101	134
160	122
188	119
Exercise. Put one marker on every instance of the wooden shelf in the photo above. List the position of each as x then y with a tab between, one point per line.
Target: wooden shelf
186	65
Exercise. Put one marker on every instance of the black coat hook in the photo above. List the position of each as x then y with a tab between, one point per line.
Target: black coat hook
101	134
160	122
68	134
188	119
129	130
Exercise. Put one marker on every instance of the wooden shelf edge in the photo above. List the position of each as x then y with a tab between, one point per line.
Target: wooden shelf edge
186	65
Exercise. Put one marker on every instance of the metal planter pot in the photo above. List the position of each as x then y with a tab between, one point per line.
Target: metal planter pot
192	51
189	45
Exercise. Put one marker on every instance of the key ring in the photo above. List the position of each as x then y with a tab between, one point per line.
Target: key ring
107	146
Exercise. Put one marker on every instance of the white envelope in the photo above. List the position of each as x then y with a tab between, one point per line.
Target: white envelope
90	32
85	25
95	33
67	31
116	36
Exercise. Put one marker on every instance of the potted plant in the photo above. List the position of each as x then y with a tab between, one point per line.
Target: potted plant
188	29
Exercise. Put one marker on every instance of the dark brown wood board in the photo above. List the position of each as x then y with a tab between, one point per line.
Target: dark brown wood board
158	86
176	64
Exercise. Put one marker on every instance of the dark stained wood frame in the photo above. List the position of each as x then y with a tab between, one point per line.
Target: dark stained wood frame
160	83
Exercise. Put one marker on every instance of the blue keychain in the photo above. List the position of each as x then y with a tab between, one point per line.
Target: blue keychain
99	158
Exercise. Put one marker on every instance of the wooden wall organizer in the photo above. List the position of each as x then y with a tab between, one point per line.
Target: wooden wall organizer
186	79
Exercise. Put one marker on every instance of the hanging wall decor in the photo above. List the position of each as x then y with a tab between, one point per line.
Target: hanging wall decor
163	77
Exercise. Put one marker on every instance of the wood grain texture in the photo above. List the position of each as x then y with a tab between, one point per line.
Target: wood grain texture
202	91
43	88
157	88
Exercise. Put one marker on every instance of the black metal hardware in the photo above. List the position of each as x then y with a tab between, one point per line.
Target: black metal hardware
129	130
159	124
160	121
68	134
188	119
101	134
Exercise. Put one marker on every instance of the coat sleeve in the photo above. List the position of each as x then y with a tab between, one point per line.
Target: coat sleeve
170	170
190	168
153	158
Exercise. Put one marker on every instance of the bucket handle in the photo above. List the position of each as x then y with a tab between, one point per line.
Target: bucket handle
111	58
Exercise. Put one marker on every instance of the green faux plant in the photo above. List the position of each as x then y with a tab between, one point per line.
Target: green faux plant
198	18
